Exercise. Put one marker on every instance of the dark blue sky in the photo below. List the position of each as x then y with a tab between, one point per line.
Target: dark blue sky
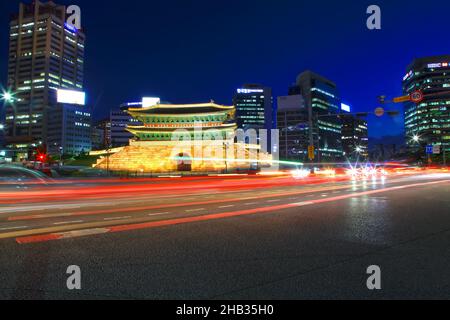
193	51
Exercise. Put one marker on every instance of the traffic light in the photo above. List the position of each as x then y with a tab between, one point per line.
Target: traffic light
311	155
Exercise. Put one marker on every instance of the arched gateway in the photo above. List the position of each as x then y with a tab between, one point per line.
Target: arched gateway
184	162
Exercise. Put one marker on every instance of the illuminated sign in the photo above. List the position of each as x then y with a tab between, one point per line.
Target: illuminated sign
71	97
246	91
150	101
132	104
408	75
437	65
70	27
345	107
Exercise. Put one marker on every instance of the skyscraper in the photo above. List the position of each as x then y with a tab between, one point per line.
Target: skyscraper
292	123
355	137
254	109
45	54
322	102
428	122
69	125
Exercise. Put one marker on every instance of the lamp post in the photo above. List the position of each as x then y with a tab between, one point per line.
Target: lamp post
8	97
107	159
225	147
445	159
61	155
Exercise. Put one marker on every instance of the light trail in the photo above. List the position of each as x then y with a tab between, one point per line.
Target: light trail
40	235
165	206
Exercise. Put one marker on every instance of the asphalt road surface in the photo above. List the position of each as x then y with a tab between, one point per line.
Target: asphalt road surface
228	238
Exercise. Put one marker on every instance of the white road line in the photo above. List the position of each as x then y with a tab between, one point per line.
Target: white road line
117	218
82	233
229	206
194	210
40	208
157	214
250	203
67	222
275	200
301	204
13	228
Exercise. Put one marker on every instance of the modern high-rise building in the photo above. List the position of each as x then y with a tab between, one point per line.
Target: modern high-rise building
292	123
2	135
254	109
101	135
120	120
322	102
69	126
428	122
45	54
355	136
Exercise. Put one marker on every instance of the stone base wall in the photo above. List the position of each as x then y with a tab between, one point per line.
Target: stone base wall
159	158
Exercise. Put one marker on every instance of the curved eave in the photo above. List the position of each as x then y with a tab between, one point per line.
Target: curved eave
143	129
180	115
181	106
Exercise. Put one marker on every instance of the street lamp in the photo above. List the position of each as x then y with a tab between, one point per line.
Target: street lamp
225	147
416	138
7	97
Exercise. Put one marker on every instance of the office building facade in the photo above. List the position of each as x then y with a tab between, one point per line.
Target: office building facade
45	54
119	121
254	110
101	135
292	123
355	137
69	130
428	122
322	107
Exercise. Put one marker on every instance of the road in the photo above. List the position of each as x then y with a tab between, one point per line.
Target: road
237	237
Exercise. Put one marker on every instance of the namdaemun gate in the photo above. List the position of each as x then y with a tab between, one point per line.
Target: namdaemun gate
180	138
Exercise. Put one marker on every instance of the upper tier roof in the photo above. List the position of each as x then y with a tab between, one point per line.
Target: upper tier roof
187	109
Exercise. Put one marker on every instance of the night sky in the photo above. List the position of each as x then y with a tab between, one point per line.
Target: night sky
193	51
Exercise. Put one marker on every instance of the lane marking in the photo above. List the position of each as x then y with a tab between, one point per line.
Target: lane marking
195	210
13	228
117	218
302	204
157	214
208	217
41	208
229	206
67	222
250	203
274	200
163	206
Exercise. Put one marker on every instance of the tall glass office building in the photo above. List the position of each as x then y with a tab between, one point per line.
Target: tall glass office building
428	122
254	110
323	104
45	54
